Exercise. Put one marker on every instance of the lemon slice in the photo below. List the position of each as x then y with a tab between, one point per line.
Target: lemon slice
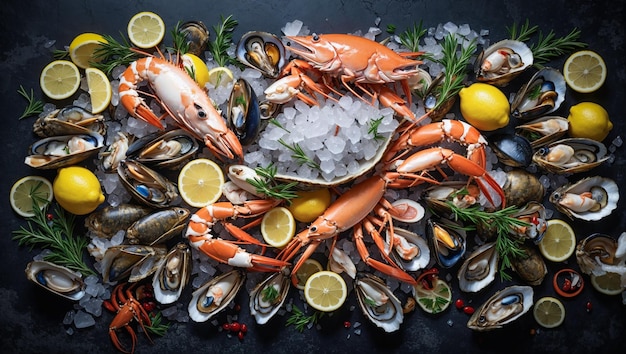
434	300
196	68
558	242
59	79
220	76
146	29
200	182
82	49
99	89
325	291
584	71
309	267
28	190
549	312
278	227
608	283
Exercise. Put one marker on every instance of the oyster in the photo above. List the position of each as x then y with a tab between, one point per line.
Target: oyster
243	115
571	155
420	83
64	150
544	130
438	196
503	307
410	251
269	295
542	95
146	185
531	267
534	214
512	150
522	187
70	120
57	279
590	198
171	149
106	222
215	295
502	62
197	37
158	227
133	261
479	269
598	254
378	302
339	262
262	51
448	241
172	274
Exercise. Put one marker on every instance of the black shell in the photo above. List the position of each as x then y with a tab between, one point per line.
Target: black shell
512	150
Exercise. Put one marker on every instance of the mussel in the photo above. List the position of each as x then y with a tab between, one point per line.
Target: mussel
70	120
479	269
543	130
542	95
64	150
530	267
215	295
571	155
378	302
133	261
269	295
106	222
410	251
172	274
171	149
243	115
146	185
262	51
590	198
502	62
57	279
512	150
503	307
197	37
448	241
158	227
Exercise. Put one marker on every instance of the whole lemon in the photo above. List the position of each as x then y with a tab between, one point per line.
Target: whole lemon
589	120
308	205
484	106
77	190
197	68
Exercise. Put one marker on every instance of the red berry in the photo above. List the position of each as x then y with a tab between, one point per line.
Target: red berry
149	306
49	217
459	303
589	306
226	326
244	328
468	310
235	327
240	335
567	285
347	324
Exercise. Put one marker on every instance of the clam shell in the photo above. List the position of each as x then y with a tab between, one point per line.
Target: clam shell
479	269
420	261
378	302
197	36
588	153
512	150
173	274
57	279
522	187
262	308
525	56
595	250
609	196
503	307
541	95
205	302
122	261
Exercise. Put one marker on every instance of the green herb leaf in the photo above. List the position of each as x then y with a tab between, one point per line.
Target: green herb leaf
269	186
223	40
34	106
373	128
112	54
181	45
158	327
411	37
269	293
299	155
300	320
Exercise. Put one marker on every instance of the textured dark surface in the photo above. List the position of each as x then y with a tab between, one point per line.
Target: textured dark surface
31	320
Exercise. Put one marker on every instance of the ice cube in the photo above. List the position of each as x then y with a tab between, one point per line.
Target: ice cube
83	320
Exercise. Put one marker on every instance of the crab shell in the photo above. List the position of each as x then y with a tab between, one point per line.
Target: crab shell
588	153
604	191
479	269
543	130
264	309
173	274
541	95
57	279
378	302
215	295
501	79
505	306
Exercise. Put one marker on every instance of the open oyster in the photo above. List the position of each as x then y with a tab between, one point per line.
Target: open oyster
172	274
598	254
571	155
590	198
57	279
503	307
542	95
502	62
269	295
479	269
262	51
215	295
543	130
378	302
410	251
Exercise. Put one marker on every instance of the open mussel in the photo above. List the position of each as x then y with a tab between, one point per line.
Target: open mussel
215	295
503	307
146	185
243	115
133	261
542	95
512	150
57	279
64	150
106	222
171	149
197	37
502	62
448	241
571	155
590	198
158	227
269	295
378	302
530	266
172	274
262	51
410	251
479	269
543	130
70	120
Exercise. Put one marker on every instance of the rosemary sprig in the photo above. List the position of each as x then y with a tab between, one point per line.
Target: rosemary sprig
300	320
181	45
391	28
524	33
411	37
223	40
66	248
59	54
34	106
113	54
275	122
299	154
373	128
269	294
158	327
268	185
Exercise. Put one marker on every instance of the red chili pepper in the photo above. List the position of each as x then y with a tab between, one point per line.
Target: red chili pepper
226	326
567	285
235	327
589	306
534	220
149	306
240	335
244	328
347	324
468	310
459	303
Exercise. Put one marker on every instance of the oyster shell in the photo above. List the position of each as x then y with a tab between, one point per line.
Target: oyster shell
522	187
70	120
531	268
215	295
133	261
172	274
262	51
378	302
57	279
571	155
479	269
542	95
171	149
197	37
502	62
599	253
244	115
269	295
410	250
146	185
447	240
590	198
502	308
64	150
111	155
543	130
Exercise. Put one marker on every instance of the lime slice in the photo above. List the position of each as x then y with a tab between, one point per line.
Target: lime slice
434	300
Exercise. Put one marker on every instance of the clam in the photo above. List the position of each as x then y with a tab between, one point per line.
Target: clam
512	150
502	62
269	109
531	267
448	241
522	187
542	95
70	120
502	308
64	150
571	155
106	222
215	295
262	51
378	302
111	155
543	130
171	149
133	261
57	279
172	274
339	262
479	269
158	227
410	251
269	295
243	115
197	37
420	82
590	198
146	185
240	176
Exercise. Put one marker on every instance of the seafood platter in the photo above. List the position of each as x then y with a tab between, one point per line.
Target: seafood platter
434	223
